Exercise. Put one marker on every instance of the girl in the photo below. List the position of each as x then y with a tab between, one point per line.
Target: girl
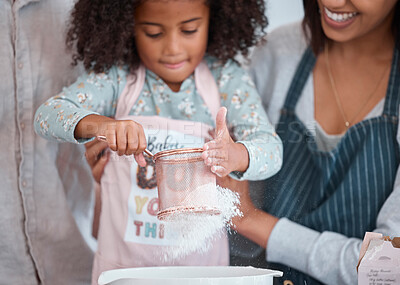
157	72
334	88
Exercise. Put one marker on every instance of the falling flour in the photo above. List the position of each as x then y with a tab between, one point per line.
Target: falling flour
195	232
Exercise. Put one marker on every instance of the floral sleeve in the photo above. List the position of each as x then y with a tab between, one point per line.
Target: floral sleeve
92	93
249	122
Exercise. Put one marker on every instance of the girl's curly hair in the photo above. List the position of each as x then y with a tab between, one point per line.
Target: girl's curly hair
103	31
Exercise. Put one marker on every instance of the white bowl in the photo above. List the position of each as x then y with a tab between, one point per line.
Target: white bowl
189	275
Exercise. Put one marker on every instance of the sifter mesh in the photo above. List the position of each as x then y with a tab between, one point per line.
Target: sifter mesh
185	183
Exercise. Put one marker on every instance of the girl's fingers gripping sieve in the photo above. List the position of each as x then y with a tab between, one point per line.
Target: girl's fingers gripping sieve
132	130
220	170
111	136
137	144
215	156
142	143
214	144
122	137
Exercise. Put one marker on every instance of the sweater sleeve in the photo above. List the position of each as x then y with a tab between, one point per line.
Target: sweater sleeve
92	93
249	122
328	256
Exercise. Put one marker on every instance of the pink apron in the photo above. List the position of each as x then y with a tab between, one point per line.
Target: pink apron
130	235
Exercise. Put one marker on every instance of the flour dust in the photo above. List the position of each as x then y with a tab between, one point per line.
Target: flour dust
195	232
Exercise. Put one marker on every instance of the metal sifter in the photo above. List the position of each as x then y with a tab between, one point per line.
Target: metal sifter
185	184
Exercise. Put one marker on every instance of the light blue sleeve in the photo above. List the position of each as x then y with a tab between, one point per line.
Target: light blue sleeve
249	122
92	93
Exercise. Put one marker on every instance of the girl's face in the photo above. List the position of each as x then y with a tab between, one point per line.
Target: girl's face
346	20
171	37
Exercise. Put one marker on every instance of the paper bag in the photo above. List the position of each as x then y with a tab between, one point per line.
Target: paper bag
379	261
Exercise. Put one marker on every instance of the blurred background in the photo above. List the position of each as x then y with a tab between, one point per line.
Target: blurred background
280	12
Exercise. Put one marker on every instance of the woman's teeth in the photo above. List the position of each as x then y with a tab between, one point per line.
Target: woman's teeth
342	17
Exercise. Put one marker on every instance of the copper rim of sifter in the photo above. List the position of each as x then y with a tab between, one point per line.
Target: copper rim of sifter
211	211
178	151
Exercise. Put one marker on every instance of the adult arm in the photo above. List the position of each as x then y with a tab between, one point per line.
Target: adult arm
328	256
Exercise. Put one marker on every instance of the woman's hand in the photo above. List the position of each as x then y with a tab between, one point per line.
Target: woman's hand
125	137
246	205
222	153
255	224
97	157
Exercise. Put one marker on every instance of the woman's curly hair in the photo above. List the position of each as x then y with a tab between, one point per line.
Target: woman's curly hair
103	31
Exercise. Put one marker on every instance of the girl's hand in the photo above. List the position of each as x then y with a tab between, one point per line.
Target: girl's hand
125	137
97	157
222	153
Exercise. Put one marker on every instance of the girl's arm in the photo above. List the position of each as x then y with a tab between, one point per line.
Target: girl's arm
126	137
84	110
250	125
92	93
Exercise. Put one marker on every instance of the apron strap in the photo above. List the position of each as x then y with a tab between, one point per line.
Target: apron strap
205	85
132	90
207	88
300	78
392	101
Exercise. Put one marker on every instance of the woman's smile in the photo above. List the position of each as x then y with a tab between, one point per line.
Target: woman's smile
339	17
347	20
339	20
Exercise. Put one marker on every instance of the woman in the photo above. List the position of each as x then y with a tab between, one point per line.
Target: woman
333	89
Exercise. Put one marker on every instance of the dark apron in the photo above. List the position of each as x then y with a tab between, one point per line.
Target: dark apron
341	190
